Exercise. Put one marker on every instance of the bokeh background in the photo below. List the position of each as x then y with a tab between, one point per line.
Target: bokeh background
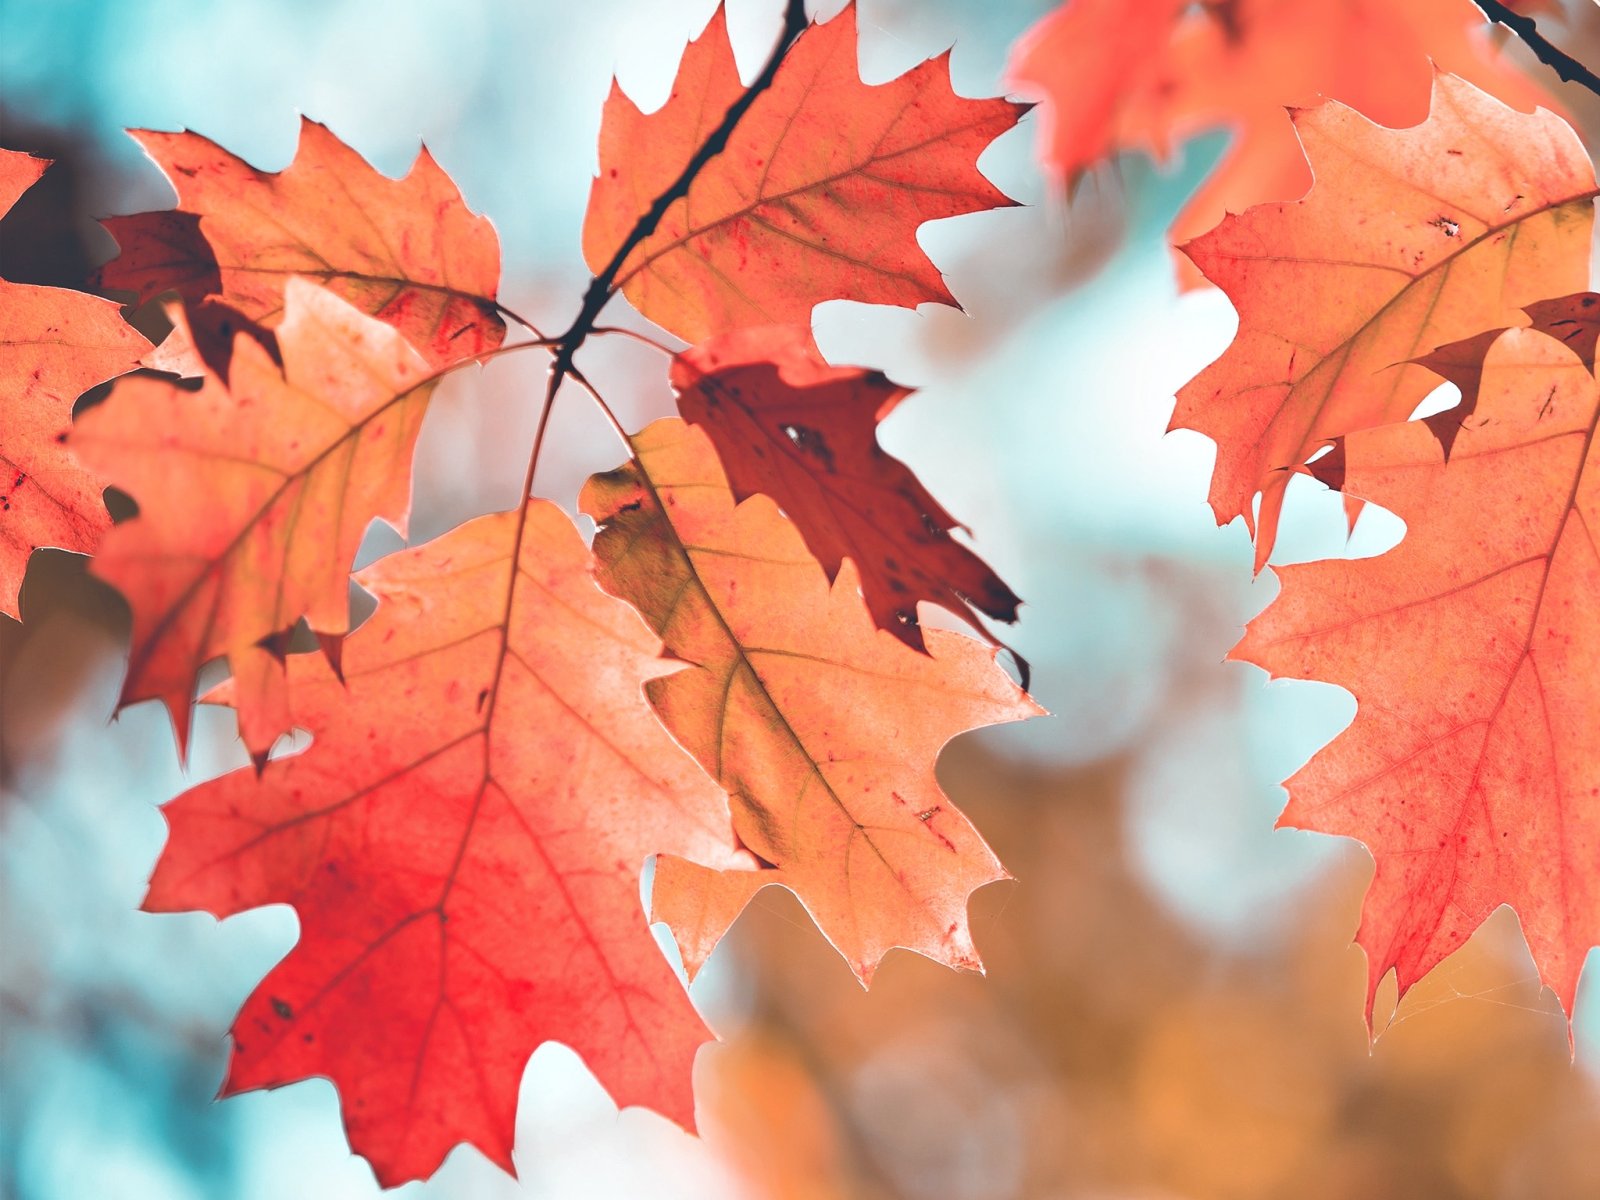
1173	1008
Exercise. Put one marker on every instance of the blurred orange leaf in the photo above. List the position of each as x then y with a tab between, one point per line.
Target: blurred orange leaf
1148	75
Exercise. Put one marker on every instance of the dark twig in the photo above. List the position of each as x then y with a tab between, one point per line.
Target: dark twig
1562	63
603	286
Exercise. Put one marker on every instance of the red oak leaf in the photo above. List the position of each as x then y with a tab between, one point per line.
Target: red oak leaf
817	195
787	424
253	495
1411	238
1148	75
822	728
462	842
1472	769
407	251
54	346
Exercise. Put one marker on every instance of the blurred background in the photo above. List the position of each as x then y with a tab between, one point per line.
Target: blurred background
1172	1009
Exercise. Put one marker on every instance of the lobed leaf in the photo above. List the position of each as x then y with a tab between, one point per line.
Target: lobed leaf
1411	238
55	344
1472	768
462	843
787	424
254	494
817	195
407	251
822	728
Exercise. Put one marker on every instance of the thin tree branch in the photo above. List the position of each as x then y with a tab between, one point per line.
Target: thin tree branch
603	286
1558	60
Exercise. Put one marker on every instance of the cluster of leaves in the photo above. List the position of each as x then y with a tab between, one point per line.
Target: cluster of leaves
1453	250
733	679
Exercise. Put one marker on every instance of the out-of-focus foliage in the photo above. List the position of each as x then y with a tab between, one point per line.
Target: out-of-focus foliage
1112	1053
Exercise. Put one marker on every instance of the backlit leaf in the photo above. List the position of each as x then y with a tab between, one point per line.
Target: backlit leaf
1410	239
253	495
407	251
822	728
817	196
1472	768
462	843
54	345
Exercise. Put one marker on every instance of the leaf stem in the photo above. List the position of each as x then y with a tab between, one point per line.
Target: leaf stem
1527	29
642	338
539	343
582	381
520	320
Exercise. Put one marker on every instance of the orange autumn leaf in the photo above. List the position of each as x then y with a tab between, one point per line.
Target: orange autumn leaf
407	251
203	342
1147	76
1573	320
1411	238
1472	768
822	728
462	843
55	345
18	173
253	495
787	424
817	196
